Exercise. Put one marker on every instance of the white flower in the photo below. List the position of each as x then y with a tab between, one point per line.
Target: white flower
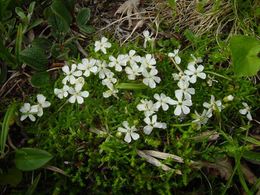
148	107
70	73
79	83
109	80
150	78
147	37
185	90
175	55
228	98
181	77
77	94
195	60
148	62
246	111
110	92
132	58
130	132
102	69
213	105
42	103
133	71
151	124
102	45
28	111
118	62
202	119
162	101
194	73
182	105
88	66
61	93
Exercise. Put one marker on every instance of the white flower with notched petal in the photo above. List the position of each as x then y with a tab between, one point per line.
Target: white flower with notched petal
133	71
147	37
28	111
109	80
118	62
42	103
129	131
175	55
148	62
152	123
162	101
148	107
61	93
182	105
79	83
181	77
77	95
150	78
132	58
102	45
201	119
70	74
110	92
102	69
213	105
185	90
194	72
246	111
88	66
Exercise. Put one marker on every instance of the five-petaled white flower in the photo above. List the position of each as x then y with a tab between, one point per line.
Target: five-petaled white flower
194	72
148	107
185	90
110	92
148	62
181	77
109	80
152	123
42	103
201	119
150	78
102	69
28	111
118	62
77	94
61	93
129	131
102	45
132	58
162	101
213	105
88	66
71	74
246	111
175	55
182	105
132	71
147	37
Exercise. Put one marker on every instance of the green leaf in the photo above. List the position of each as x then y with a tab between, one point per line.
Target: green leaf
12	177
18	41
32	188
40	79
34	57
252	156
42	43
28	159
83	16
3	72
60	10
8	119
245	53
131	86
87	29
6	56
20	13
58	25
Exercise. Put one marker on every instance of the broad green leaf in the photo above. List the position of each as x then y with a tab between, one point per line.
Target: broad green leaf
131	86
245	55
40	79
87	29
34	57
58	24
60	10
83	16
12	177
8	120
28	159
20	13
42	43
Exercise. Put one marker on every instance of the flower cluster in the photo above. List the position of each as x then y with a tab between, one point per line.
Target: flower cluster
28	110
